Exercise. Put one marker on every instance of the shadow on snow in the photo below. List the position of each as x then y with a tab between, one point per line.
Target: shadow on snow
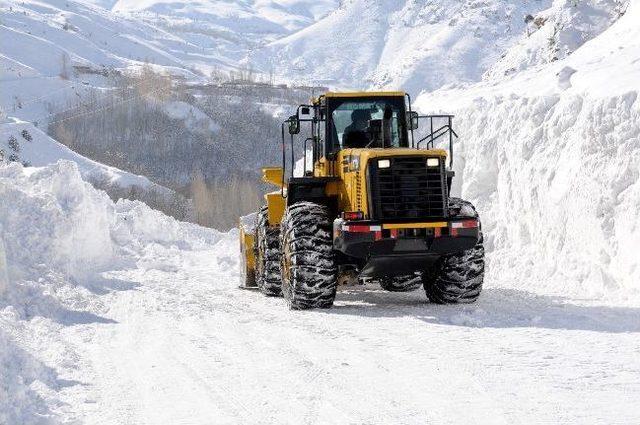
496	308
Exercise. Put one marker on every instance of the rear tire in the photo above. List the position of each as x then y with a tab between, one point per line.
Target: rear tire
457	278
403	283
267	252
309	272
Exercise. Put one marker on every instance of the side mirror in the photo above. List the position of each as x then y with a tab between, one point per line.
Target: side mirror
294	124
412	120
305	110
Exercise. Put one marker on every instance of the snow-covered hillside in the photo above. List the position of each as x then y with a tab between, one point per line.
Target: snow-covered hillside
22	142
422	44
54	51
241	24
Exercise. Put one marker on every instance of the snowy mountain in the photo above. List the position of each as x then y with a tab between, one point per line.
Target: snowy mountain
557	32
249	22
60	50
423	44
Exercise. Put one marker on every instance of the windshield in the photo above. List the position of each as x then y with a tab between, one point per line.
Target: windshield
360	123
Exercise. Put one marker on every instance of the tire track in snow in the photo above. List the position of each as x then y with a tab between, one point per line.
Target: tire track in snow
228	356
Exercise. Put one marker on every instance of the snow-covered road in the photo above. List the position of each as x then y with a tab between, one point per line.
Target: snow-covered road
116	314
185	346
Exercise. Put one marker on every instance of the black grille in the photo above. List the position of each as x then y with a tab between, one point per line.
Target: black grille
408	189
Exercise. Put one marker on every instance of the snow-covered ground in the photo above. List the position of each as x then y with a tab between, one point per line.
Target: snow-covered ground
115	314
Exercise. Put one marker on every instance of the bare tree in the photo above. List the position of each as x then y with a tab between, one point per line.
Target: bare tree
64	66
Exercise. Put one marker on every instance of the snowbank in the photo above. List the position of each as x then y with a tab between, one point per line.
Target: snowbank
54	218
551	157
59	239
556	181
59	220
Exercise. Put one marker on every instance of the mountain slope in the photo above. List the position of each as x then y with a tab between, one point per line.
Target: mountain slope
259	18
22	142
60	50
408	44
423	45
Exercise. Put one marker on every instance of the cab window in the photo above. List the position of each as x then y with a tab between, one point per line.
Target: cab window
362	123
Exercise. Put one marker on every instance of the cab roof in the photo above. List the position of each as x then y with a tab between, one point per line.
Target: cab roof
365	94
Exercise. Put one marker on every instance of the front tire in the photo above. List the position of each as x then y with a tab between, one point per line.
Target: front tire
267	252
457	278
309	272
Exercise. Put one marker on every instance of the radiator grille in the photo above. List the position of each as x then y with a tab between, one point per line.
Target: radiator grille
408	189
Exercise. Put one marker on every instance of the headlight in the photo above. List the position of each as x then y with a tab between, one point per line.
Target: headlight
384	163
354	163
433	162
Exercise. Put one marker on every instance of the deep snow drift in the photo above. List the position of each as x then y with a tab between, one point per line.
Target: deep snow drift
551	157
59	236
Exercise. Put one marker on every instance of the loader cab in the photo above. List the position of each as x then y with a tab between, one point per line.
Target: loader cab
353	120
345	125
359	120
366	122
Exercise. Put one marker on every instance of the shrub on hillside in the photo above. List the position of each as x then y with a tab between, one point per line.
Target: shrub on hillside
13	144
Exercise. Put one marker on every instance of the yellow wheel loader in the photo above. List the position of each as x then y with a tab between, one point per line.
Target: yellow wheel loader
374	206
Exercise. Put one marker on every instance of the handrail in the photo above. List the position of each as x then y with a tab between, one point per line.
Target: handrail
284	149
439	132
284	160
435	135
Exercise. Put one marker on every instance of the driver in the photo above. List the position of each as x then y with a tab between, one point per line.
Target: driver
355	133
359	120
